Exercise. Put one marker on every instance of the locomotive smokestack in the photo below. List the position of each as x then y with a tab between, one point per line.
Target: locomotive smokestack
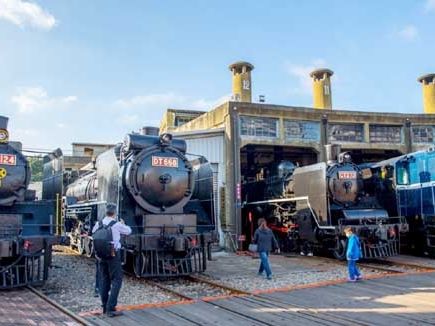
322	98
4	122
149	131
332	151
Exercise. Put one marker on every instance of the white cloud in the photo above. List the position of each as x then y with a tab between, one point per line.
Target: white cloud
30	99
302	74
24	13
430	5
408	33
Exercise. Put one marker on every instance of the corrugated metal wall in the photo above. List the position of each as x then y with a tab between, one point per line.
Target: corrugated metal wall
212	148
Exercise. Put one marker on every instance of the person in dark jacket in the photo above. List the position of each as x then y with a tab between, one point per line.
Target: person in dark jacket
353	254
266	242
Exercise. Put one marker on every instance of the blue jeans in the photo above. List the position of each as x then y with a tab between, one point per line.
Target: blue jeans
264	264
353	269
110	281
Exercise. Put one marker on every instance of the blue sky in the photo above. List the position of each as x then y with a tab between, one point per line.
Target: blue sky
94	70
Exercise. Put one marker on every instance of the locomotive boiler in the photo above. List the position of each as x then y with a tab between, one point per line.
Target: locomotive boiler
318	201
26	225
166	198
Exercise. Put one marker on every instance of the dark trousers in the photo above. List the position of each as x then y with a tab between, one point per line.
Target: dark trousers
110	281
97	276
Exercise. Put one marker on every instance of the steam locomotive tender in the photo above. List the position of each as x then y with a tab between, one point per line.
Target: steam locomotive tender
318	201
26	225
164	197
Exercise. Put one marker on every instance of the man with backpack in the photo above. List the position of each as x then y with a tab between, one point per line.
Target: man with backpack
106	236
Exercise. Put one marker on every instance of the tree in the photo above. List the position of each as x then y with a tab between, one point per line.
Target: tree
36	167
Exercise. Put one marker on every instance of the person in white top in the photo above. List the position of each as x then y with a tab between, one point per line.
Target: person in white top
110	270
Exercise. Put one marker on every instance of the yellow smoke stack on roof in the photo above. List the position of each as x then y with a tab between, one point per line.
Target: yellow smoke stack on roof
322	97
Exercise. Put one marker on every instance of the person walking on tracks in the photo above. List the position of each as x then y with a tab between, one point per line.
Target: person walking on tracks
106	235
266	242
353	254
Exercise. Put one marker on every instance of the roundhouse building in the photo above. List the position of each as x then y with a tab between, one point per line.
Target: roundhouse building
241	138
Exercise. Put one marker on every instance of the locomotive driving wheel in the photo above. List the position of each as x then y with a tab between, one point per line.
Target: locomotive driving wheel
340	249
139	264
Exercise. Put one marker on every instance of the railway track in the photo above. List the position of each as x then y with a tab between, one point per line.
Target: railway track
28	305
196	288
385	266
79	320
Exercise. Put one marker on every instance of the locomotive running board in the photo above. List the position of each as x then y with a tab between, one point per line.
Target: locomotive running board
294	199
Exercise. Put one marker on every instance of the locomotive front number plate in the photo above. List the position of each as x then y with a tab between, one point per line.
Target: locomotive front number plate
346	174
8	159
169	162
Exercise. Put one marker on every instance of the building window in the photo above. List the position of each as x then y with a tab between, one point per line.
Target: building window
423	134
385	134
180	120
302	130
346	132
258	127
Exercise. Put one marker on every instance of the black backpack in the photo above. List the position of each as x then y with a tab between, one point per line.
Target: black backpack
103	238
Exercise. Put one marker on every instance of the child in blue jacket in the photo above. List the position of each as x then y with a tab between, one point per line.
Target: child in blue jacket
353	253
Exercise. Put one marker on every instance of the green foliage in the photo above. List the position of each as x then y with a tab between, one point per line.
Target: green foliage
36	166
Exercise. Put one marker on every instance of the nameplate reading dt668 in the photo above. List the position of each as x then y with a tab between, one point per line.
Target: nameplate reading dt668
346	174
8	159
169	162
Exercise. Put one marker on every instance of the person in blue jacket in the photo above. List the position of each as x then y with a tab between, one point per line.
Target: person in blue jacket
353	253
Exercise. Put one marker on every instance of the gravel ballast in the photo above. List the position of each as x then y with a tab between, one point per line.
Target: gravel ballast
72	278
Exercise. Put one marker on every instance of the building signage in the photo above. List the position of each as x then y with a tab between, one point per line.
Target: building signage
168	162
8	159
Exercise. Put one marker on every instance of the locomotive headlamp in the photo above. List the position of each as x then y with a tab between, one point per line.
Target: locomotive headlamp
4	136
165	139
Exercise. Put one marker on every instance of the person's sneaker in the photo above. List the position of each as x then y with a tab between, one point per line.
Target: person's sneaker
114	313
359	278
302	253
260	274
310	254
351	280
269	277
96	294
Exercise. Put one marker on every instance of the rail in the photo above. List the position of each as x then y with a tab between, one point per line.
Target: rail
64	310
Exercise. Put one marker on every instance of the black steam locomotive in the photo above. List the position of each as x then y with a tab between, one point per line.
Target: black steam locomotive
27	230
313	204
164	197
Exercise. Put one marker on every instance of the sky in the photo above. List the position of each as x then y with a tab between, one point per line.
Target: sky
92	71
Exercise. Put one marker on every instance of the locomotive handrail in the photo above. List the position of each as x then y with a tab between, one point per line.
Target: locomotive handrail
283	200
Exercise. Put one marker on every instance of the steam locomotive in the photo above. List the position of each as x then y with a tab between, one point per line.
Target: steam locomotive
27	226
313	204
166	198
